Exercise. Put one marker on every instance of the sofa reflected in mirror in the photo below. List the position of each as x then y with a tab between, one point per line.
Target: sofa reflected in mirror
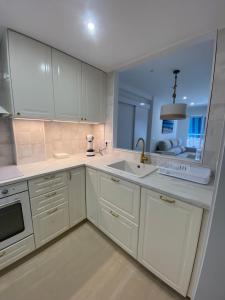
175	147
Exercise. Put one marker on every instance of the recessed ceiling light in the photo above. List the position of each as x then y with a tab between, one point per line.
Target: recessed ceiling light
91	26
142	103
192	103
185	98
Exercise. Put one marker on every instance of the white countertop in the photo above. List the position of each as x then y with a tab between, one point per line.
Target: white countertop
193	193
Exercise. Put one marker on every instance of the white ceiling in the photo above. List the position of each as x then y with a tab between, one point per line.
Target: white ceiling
195	62
126	30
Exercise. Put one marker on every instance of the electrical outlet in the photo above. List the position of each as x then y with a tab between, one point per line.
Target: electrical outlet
107	143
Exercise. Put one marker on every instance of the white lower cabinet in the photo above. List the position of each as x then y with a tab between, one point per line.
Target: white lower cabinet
119	204
92	195
121	194
160	231
168	237
50	224
118	228
77	206
16	251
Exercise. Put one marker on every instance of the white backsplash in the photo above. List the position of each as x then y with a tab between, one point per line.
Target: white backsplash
39	140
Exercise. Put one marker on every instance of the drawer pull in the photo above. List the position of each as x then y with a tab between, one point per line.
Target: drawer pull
49	177
2	253
52	211
115	179
114	214
50	195
163	198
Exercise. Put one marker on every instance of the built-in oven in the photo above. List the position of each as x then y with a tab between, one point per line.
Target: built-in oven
15	214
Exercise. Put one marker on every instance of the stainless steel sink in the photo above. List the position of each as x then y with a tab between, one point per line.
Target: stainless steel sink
136	169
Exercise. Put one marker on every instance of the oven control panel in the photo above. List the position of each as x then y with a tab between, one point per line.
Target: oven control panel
12	189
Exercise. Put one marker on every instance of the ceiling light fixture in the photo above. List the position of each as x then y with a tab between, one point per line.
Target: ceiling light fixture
192	103
91	26
174	111
142	103
185	98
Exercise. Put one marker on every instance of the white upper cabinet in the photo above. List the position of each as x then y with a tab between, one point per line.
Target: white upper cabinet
39	82
168	238
31	77
67	86
93	94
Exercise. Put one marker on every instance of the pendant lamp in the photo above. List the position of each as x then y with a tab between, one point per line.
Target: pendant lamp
174	111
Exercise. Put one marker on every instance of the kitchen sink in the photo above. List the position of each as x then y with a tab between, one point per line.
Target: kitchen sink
136	169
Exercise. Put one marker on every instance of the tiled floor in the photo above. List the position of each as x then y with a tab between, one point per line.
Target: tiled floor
83	265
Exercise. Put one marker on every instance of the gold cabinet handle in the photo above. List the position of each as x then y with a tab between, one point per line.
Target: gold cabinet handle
52	211
163	198
115	179
2	253
51	195
49	177
114	214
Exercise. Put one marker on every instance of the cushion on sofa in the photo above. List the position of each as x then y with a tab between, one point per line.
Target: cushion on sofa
176	150
164	145
183	149
174	142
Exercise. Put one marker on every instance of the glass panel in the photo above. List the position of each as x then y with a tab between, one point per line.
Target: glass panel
11	221
143	89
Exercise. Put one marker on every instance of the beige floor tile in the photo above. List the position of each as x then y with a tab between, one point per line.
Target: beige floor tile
82	265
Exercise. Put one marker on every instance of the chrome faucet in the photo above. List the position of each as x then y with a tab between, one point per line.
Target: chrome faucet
143	157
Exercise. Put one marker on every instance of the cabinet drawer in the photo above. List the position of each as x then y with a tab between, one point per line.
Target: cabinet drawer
125	196
50	224
18	250
47	183
49	200
119	229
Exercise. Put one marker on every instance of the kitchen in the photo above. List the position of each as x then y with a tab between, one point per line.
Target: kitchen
76	210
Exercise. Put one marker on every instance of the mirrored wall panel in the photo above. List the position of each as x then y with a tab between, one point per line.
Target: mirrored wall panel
166	101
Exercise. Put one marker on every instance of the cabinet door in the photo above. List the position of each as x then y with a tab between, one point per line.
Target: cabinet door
77	206
92	195
118	228
67	86
168	237
31	75
121	194
50	224
93	94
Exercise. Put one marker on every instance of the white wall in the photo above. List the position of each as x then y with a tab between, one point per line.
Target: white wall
141	125
212	279
129	131
125	135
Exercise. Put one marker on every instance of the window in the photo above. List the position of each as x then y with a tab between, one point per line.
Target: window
196	132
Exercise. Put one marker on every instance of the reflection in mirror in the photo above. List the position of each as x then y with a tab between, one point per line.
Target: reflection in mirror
145	88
